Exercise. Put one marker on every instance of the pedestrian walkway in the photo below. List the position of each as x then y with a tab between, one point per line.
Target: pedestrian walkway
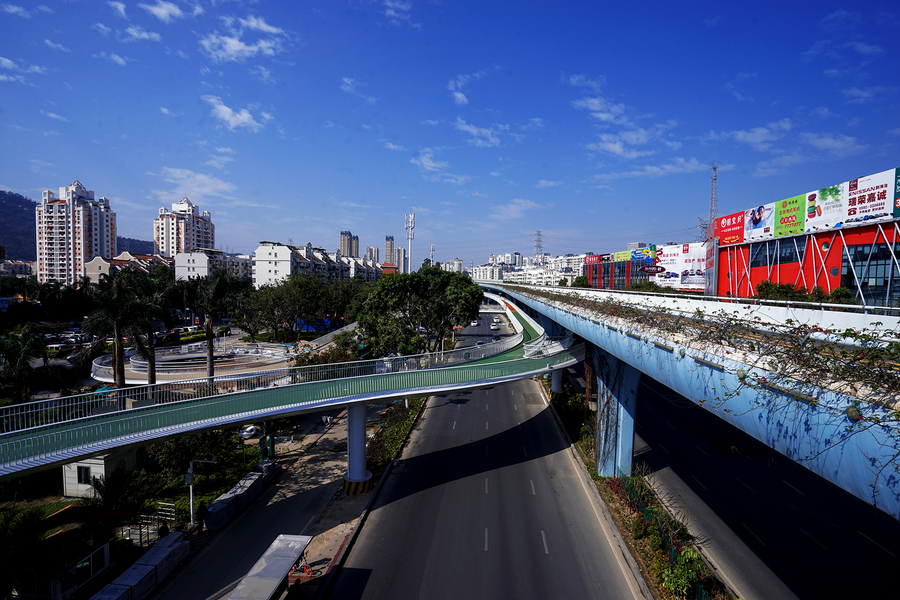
306	500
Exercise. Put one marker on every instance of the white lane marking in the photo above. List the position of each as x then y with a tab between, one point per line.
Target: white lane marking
544	538
813	539
647	407
581	382
532	487
515	407
701	483
571	370
485	424
746	486
485	485
793	488
702	450
454	424
485	539
876	543
754	535
457	406
485	407
663	447
670	425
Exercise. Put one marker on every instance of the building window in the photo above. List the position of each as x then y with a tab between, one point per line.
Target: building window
84	475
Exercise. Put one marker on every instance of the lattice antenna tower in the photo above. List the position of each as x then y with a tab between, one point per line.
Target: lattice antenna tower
538	244
714	192
431	249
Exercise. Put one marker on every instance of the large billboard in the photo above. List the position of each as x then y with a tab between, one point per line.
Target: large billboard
684	264
872	198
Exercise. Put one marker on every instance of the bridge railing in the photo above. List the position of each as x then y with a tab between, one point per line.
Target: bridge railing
92	425
56	410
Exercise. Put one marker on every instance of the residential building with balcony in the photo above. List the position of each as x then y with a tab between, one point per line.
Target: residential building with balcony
183	229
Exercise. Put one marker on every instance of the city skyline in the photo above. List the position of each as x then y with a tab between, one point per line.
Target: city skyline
304	122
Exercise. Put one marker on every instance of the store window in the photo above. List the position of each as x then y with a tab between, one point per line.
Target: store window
876	274
777	252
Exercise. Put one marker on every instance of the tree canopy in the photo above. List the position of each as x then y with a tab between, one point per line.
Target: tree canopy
412	313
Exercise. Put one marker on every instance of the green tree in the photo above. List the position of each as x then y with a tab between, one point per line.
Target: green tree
21	531
17	349
563	282
204	296
581	281
117	311
155	294
430	298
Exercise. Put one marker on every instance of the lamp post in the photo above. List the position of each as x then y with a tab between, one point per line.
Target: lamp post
190	480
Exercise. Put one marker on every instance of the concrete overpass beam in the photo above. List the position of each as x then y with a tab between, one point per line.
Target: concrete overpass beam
358	479
617	385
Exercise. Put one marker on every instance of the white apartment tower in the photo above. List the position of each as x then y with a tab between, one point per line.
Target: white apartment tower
72	229
183	229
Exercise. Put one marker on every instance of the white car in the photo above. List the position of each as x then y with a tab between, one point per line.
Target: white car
474	323
248	432
495	326
496	319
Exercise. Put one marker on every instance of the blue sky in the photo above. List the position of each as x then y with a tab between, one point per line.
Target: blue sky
593	122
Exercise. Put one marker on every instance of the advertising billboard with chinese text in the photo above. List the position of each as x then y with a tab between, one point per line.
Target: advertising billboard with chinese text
790	216
684	264
730	229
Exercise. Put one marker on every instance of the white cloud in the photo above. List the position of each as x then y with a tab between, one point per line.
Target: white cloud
583	81
426	161
514	210
822	112
533	124
164	11
218	161
196	186
166	111
481	137
777	165
456	179
6	63
455	86
224	48
349	85
16	10
225	150
259	24
103	29
622	144
864	48
55	116
833	143
135	33
19	78
263	74
119	8
543	183
863	95
232	120
391	146
397	13
59	47
431	122
119	60
678	165
45	9
759	138
603	110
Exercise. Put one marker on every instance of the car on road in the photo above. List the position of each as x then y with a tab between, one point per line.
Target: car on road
496	319
495	326
479	344
248	432
474	323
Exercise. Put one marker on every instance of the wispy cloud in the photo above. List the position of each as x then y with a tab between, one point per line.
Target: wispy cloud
164	11
398	13
777	165
758	138
584	81
118	8
16	10
259	24
20	70
166	111
543	183
603	110
136	33
349	85
103	29
219	160
231	119
515	209
113	57
426	161
678	165
482	137
834	143
533	124
230	47
456	84
59	47
55	116
392	146
857	95
263	74
197	186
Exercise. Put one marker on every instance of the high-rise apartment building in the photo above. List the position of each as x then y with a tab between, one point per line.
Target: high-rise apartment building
183	229
346	243
372	253
354	247
72	229
389	250
400	260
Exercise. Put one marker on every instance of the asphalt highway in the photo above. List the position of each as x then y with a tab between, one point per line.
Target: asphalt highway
486	502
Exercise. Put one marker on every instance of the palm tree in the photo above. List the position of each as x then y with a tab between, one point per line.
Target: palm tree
117	311
154	295
204	296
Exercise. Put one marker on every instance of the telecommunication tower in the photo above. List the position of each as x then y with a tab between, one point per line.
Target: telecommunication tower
410	224
714	192
538	245
431	257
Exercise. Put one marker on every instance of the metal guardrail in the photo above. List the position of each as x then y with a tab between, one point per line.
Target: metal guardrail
326	339
50	431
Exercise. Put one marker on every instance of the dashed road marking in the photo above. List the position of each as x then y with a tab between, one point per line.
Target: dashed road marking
544	538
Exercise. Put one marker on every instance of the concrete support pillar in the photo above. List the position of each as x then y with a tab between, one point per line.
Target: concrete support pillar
358	479
617	385
556	382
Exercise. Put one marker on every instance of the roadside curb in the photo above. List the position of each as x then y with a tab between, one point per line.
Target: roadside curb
623	548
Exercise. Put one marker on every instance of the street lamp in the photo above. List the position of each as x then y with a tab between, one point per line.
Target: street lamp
189	479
